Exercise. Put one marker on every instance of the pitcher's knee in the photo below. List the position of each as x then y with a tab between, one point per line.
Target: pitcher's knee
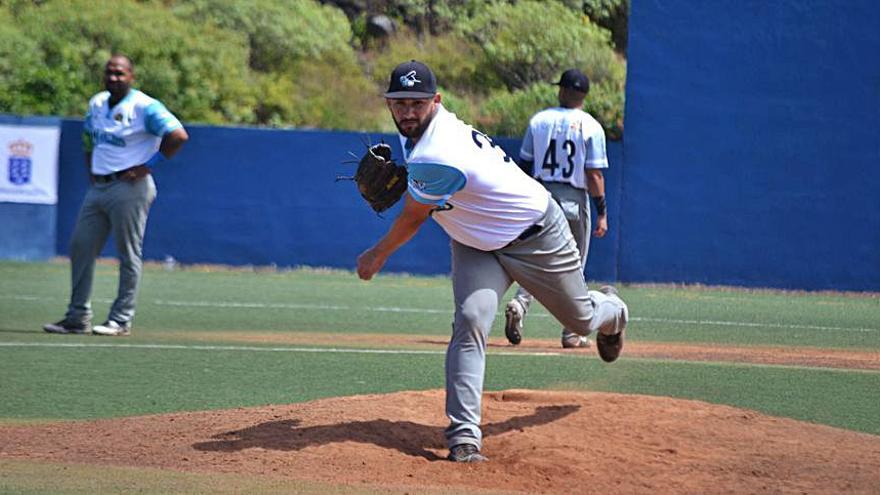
474	325
477	312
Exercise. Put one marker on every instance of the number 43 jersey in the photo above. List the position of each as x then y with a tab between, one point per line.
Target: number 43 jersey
562	142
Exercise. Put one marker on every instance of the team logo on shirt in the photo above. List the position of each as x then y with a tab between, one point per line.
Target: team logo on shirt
20	164
409	80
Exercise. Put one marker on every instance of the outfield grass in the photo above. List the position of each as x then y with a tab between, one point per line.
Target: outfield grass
164	367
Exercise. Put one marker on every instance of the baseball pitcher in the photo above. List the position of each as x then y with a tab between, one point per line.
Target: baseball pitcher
504	226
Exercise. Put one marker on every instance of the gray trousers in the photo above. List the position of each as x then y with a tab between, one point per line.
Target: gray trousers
548	265
120	208
576	209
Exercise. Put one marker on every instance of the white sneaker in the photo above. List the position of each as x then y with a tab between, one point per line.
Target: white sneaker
571	340
112	329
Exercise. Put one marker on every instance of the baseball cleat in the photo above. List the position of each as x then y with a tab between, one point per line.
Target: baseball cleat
465	452
609	290
610	346
513	325
67	327
112	329
571	340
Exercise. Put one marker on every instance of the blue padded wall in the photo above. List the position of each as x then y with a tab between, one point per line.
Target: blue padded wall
752	144
27	232
256	196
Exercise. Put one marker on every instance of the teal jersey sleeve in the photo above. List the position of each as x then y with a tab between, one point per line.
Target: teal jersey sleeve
159	121
433	183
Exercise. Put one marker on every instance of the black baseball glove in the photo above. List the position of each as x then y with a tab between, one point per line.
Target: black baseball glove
380	181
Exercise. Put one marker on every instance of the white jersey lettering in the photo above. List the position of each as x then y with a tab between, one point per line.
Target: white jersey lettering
562	143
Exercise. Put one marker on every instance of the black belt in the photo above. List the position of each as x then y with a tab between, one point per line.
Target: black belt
103	179
529	232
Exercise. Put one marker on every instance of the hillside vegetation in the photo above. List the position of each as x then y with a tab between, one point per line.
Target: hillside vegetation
308	64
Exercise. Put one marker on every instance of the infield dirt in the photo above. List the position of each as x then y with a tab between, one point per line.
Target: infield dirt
537	442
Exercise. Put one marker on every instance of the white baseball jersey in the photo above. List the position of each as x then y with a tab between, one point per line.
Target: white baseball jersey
484	200
562	142
127	134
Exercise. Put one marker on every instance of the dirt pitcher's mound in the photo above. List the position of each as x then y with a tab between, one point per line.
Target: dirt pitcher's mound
537	442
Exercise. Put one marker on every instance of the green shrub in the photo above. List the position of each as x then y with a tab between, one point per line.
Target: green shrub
322	95
280	33
529	44
306	70
463	107
605	102
291	62
612	15
456	61
21	70
431	16
199	72
533	41
507	113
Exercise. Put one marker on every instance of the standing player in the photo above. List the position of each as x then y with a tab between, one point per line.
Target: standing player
504	227
565	149
126	134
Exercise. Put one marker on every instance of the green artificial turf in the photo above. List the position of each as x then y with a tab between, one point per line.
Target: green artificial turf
337	302
76	383
161	369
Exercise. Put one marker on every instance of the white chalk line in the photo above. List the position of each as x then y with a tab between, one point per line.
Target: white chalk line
240	348
394	309
412	352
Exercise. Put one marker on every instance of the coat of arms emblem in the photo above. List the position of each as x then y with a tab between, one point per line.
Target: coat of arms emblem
20	164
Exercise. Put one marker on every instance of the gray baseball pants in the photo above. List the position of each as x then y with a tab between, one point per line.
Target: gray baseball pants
120	208
576	209
548	265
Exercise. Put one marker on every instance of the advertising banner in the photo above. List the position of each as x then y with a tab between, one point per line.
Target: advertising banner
29	164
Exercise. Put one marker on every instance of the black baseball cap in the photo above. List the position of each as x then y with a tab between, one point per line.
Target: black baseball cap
411	79
574	79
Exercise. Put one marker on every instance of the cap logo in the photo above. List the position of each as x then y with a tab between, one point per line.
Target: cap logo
409	80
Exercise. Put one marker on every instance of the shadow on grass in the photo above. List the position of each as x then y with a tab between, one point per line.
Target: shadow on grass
410	438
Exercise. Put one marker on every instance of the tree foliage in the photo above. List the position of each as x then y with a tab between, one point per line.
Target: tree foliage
301	63
529	44
532	41
199	70
280	34
457	62
612	15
